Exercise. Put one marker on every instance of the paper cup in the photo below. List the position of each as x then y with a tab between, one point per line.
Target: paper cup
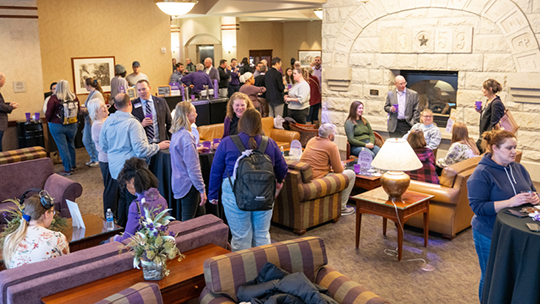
357	168
27	116
478	105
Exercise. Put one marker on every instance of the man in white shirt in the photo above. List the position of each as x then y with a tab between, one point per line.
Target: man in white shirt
402	108
134	77
211	70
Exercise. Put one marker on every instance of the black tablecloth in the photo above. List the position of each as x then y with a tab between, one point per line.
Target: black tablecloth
513	270
160	165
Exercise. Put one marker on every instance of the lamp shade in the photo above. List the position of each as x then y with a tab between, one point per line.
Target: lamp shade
396	155
176	7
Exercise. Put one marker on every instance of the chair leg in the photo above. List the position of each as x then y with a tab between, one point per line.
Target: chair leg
336	219
300	232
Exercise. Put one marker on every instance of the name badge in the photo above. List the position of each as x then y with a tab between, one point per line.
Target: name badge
138	105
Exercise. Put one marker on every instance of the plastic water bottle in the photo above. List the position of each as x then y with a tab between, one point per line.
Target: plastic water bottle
110	220
282	151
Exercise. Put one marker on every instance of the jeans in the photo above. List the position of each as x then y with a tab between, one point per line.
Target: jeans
299	115
110	193
190	204
347	191
64	136
89	143
276	110
355	150
482	244
313	115
248	228
1	136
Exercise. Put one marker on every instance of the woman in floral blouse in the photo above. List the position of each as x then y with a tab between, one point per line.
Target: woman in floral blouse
32	242
462	148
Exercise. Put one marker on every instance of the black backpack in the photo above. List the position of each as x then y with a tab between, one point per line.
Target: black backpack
255	182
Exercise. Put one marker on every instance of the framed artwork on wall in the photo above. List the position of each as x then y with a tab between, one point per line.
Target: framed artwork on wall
101	68
307	57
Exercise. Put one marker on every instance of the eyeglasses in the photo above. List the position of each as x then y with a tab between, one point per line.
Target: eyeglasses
427	116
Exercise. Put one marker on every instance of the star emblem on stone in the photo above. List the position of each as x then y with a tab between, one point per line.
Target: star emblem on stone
423	40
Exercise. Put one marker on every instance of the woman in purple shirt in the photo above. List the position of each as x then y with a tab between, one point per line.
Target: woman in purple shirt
142	183
238	103
248	228
187	181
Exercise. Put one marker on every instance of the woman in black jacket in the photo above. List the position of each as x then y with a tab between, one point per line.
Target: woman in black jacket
493	109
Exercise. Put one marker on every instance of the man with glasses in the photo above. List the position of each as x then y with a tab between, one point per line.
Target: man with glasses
402	108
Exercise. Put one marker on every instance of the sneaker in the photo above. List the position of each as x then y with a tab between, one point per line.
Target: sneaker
347	211
92	164
64	173
73	169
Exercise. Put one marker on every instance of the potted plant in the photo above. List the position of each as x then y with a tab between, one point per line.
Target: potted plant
153	245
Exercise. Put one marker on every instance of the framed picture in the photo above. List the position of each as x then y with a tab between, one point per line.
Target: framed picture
164	91
307	57
132	93
101	68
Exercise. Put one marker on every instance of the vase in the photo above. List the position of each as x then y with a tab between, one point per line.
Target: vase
152	271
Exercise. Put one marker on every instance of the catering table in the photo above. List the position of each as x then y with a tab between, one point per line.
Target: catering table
513	269
160	165
210	111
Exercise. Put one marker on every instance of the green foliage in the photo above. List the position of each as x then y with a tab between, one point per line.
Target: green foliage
153	243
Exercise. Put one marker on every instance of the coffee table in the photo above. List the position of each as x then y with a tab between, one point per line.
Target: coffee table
376	202
185	282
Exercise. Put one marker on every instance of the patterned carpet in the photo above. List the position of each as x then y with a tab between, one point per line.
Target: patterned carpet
454	279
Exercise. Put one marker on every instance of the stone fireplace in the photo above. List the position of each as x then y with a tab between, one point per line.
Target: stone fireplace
366	44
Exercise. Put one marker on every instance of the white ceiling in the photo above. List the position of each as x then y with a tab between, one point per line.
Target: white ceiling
257	10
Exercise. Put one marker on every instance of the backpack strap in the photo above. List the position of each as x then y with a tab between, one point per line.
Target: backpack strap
263	145
238	143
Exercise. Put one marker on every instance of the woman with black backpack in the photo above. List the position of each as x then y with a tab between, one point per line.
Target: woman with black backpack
62	111
248	228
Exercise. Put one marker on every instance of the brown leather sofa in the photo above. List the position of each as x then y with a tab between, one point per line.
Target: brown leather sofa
449	211
281	137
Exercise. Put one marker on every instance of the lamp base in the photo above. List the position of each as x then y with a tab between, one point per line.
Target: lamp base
395	183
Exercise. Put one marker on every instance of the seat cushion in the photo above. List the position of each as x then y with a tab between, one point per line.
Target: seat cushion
140	293
13	156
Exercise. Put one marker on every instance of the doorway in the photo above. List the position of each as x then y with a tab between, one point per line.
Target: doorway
205	51
258	55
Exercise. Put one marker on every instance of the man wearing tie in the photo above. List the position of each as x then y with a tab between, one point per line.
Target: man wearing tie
153	112
403	116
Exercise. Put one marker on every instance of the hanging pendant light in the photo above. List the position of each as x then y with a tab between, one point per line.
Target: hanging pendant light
176	7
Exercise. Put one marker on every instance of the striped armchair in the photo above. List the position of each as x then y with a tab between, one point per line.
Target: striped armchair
305	202
225	273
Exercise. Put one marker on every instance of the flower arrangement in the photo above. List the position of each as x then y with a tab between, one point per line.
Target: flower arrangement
153	244
13	218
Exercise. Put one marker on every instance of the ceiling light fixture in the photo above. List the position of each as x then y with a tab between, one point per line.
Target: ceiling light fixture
176	7
318	12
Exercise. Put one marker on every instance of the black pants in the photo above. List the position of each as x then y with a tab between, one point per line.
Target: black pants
1	136
401	129
124	201
110	193
313	115
190	204
299	115
232	89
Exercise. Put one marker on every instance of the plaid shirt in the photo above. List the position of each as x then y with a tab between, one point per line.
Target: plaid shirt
427	173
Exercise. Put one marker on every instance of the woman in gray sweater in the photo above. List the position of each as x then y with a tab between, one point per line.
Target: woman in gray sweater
298	99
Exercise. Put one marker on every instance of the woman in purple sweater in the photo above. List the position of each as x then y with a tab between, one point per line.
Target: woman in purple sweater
142	183
238	103
248	228
187	181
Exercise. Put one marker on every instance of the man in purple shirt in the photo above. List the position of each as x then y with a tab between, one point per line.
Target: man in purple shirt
196	81
234	84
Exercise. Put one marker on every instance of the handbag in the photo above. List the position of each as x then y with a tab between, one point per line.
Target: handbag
508	122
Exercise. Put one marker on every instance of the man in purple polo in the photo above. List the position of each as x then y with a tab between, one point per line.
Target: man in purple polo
234	84
197	80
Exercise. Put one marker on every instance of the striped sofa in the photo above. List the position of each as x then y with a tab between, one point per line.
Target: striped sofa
140	293
225	273
13	156
305	202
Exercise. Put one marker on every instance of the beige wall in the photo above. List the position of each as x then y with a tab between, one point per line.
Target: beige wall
20	61
197	31
128	30
304	35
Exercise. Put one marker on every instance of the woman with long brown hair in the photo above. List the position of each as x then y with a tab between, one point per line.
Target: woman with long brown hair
462	147
359	132
96	92
237	105
427	173
492	110
248	228
298	98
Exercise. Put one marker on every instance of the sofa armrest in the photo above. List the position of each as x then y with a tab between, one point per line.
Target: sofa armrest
441	193
343	289
61	188
208	297
284	135
323	186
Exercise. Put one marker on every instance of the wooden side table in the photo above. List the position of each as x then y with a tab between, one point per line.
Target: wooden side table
376	202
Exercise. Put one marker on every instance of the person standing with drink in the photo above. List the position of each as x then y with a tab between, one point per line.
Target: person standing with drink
493	110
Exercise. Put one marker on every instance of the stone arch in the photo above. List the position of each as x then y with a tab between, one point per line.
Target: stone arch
203	39
505	14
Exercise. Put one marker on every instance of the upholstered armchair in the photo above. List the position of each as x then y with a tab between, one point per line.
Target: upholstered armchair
305	202
224	274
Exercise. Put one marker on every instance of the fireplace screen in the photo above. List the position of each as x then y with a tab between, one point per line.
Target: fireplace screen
436	91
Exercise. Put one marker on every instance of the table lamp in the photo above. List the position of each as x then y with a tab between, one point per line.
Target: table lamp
396	156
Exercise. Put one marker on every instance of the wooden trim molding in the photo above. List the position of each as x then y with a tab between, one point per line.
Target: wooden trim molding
20	7
18	16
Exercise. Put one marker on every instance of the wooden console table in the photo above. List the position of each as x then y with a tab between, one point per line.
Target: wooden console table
185	281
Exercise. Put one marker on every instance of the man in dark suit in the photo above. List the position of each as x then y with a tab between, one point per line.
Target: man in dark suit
260	82
5	109
402	108
153	112
274	88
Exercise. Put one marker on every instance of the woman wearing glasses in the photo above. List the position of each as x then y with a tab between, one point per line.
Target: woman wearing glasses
32	242
432	134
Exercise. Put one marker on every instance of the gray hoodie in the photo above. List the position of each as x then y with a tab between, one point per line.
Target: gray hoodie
122	137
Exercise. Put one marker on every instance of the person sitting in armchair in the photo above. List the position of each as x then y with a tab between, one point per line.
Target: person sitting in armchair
323	155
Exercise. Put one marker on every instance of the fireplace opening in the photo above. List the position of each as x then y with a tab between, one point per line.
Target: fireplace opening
436	91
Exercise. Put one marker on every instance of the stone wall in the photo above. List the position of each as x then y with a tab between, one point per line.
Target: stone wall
366	44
